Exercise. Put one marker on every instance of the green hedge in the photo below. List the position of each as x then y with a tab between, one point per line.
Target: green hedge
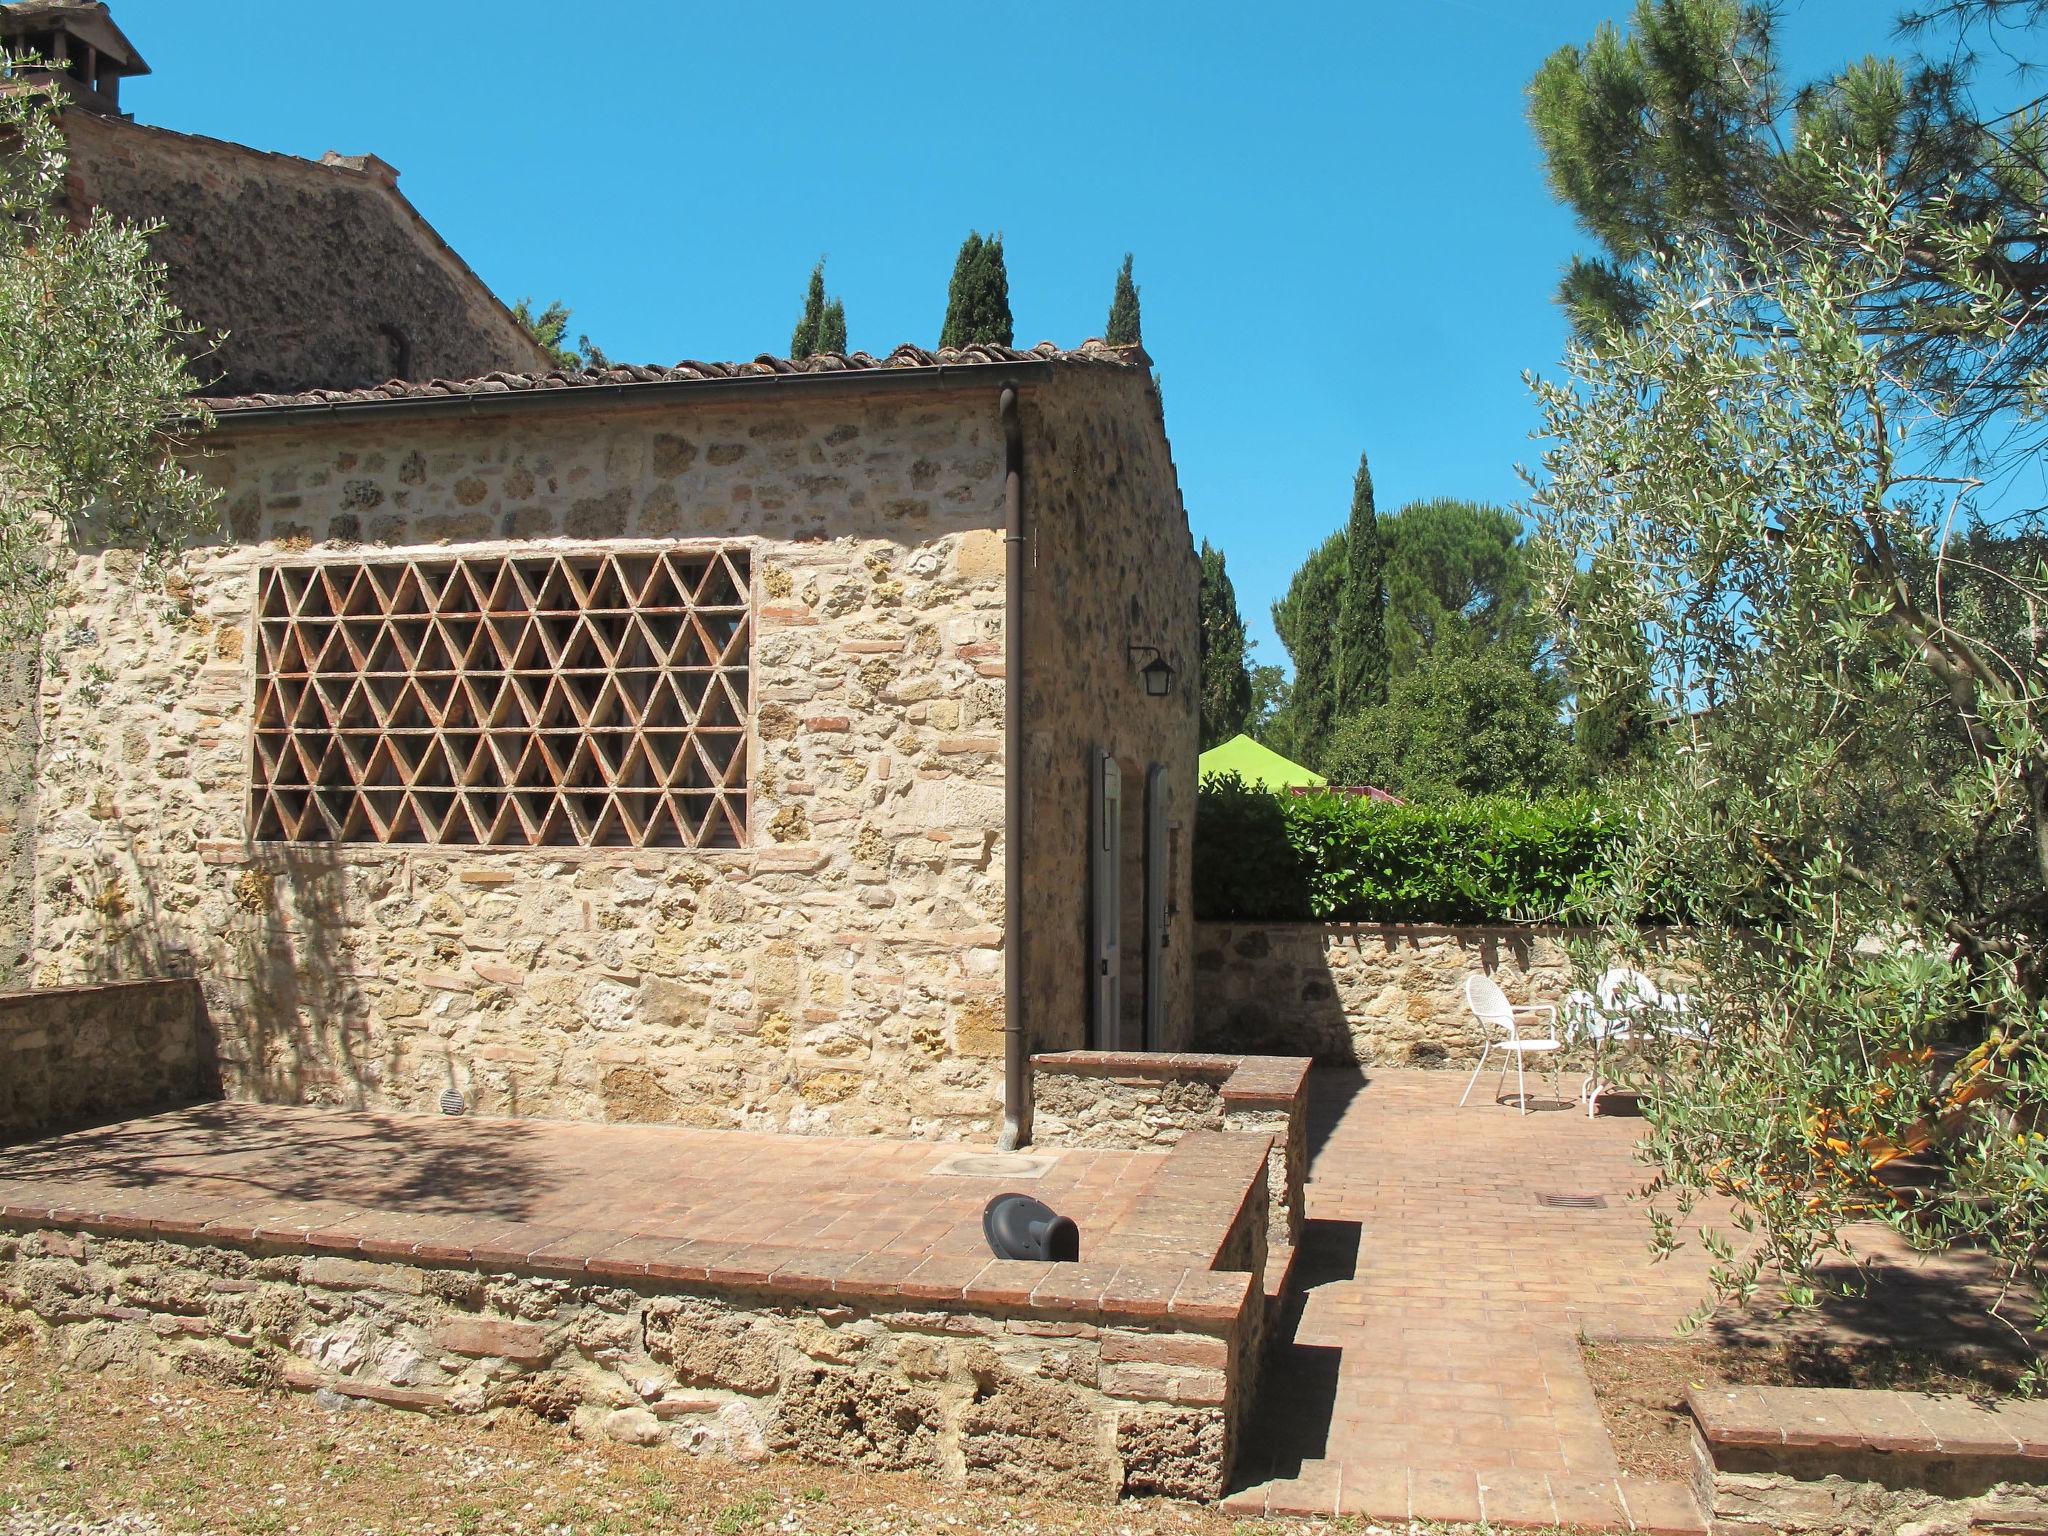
1261	857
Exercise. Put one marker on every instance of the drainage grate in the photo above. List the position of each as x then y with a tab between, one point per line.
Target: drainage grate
1573	1202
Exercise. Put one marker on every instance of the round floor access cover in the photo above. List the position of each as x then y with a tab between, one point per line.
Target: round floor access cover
1019	1227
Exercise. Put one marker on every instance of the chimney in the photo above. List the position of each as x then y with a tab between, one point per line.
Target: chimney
369	165
76	50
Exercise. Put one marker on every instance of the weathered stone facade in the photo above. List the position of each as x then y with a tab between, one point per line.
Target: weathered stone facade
320	274
1378	995
74	1054
844	970
1001	1396
1106	572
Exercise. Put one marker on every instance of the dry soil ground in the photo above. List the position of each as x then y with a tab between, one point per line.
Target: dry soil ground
113	1456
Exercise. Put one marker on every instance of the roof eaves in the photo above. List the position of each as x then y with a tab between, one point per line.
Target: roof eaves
906	367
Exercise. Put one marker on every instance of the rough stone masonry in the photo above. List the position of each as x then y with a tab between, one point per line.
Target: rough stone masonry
843	970
1006	1396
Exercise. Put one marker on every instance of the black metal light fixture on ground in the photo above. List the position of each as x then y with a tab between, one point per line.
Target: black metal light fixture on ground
1019	1227
1156	674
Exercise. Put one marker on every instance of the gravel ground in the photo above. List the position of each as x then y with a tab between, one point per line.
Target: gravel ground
36	1522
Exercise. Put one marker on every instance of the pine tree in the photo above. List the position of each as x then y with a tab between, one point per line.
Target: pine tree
1361	649
1686	124
1125	328
978	298
549	328
823	326
1226	683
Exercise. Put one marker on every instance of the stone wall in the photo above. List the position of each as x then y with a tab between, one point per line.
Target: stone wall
1378	995
1866	1463
322	275
1110	565
1003	1395
17	815
842	972
77	1054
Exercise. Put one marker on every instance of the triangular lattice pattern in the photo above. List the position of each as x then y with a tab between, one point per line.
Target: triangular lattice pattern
593	700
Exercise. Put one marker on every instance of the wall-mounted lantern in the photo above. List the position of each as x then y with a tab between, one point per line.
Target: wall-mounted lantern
1156	674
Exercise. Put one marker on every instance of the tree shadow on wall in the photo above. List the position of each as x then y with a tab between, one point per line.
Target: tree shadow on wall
279	992
302	1010
235	1152
1257	1001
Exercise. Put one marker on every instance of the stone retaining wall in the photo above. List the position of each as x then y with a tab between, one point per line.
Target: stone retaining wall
1132	1099
73	1054
1867	1463
1017	1380
17	814
1387	995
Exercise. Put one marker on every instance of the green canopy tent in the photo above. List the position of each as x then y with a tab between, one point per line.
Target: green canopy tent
1258	765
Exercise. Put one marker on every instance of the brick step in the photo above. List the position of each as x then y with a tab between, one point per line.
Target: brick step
1529	1500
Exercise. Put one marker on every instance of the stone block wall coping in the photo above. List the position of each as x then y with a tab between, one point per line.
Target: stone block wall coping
12	1004
1097	1291
1834	1420
1247	1082
1344	928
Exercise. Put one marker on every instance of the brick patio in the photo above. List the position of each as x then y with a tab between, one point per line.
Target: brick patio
724	1207
1434	1367
722	1291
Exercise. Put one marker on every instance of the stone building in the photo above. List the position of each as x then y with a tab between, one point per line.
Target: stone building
790	745
312	273
299	273
640	745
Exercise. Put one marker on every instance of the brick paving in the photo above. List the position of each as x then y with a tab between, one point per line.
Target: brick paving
1430	1364
1433	1369
821	1213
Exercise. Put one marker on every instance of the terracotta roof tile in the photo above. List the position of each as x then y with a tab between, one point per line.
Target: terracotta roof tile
1094	352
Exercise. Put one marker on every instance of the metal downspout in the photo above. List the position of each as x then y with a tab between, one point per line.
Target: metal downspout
1016	1049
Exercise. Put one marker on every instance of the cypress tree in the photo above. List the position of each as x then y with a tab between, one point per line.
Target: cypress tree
1361	650
823	326
978	298
832	327
1226	683
1125	329
1307	620
803	340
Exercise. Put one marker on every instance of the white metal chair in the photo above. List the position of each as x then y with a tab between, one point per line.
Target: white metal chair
1486	1000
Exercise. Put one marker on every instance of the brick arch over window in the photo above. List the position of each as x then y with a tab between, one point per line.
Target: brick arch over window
559	700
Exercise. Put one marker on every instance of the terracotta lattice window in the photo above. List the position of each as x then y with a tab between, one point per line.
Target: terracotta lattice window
593	700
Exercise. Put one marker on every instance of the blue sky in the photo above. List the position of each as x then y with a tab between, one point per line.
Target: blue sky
1342	231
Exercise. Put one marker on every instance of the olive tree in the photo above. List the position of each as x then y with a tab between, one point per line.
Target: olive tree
94	381
1746	508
